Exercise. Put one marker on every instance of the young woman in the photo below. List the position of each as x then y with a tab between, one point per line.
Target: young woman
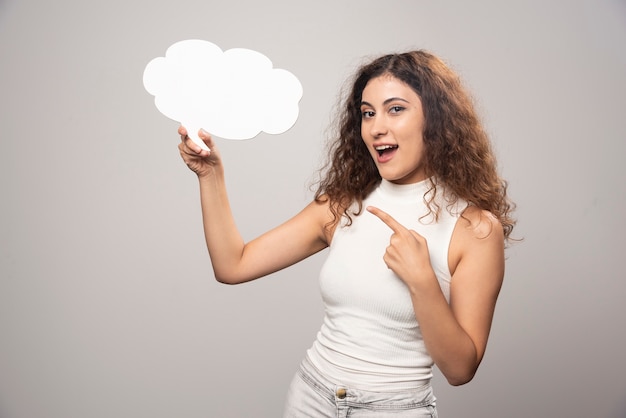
416	218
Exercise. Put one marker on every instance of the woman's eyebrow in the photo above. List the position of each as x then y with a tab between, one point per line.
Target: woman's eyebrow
389	100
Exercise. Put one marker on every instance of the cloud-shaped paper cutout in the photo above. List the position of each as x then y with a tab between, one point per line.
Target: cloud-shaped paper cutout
235	94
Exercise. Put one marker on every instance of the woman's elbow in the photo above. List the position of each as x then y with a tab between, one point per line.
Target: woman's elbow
227	278
460	379
462	376
232	276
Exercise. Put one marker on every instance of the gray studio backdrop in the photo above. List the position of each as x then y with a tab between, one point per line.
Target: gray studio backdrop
108	306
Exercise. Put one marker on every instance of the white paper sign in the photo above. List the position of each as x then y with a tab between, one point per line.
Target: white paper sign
233	94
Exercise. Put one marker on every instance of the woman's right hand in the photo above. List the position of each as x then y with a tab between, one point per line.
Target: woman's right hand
200	161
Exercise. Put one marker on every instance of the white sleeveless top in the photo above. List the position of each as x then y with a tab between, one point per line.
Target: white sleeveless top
370	338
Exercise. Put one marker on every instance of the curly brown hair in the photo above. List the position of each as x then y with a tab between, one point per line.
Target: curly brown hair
458	154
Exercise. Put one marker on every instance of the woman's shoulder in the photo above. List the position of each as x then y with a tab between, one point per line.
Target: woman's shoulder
480	224
477	234
320	210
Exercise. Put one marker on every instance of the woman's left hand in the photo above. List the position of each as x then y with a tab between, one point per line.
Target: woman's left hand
407	254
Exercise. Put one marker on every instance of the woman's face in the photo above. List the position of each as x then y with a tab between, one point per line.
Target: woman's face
392	123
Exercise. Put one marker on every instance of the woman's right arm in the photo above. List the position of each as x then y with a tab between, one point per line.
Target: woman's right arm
233	260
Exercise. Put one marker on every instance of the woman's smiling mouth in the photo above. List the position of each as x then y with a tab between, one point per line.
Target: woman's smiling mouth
382	149
385	152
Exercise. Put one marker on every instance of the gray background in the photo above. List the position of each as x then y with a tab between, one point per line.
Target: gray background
108	307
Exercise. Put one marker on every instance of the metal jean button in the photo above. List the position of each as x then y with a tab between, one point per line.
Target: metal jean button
341	393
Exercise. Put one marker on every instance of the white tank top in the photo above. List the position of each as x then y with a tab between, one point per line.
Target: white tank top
370	338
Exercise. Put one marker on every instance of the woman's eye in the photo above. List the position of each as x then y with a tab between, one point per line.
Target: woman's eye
367	114
396	109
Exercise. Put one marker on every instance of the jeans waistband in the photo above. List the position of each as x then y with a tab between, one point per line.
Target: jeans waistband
420	396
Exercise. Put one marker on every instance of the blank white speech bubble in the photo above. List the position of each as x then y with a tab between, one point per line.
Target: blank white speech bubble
233	94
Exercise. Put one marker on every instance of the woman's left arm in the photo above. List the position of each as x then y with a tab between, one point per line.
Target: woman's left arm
455	334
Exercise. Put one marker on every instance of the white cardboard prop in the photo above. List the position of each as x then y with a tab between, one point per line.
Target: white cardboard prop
233	94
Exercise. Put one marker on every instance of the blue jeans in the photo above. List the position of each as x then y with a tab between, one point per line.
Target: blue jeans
312	395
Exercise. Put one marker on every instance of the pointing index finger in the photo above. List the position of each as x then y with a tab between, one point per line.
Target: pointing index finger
386	218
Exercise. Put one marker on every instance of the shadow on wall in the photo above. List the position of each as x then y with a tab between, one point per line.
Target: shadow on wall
620	410
3	7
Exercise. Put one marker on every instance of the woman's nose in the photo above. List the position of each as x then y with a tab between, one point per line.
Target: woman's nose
379	127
